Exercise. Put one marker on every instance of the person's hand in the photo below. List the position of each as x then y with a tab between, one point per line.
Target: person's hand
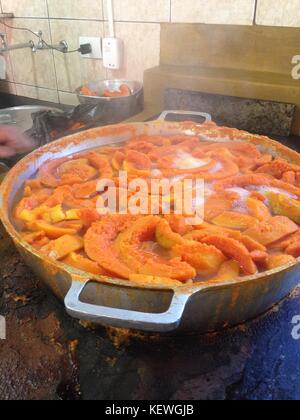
13	141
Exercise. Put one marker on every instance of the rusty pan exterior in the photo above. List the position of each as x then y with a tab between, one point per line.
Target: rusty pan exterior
119	303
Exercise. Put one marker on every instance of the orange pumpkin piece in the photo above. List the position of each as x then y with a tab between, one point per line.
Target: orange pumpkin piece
84	264
280	260
233	250
69	199
48	175
282	205
229	271
242	181
232	220
204	258
289	177
85	190
118	160
99	244
176	269
33	184
53	231
249	243
259	180
258	209
153	281
124	90
294	249
27	203
217	204
178	224
272	230
89	216
278	167
57	197
287	241
76	171
86	91
101	163
60	248
165	236
39	243
131	246
33	237
258	196
137	163
259	257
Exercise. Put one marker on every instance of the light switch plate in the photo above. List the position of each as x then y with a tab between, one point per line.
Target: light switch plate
96	44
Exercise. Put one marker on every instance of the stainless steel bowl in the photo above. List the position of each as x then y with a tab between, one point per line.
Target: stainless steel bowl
115	110
21	116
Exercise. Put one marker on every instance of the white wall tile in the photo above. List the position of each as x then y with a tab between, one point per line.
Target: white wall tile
239	12
137	24
34	69
76	9
73	70
140	10
25	8
142	49
9	71
37	93
278	13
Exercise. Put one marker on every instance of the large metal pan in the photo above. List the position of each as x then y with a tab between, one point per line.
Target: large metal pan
119	303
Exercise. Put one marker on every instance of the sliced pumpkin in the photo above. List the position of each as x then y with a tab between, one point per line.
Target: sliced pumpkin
52	231
232	220
60	248
233	250
131	245
272	230
258	209
153	281
99	244
165	236
229	271
249	243
204	258
279	260
294	249
83	264
76	171
137	163
259	257
282	205
217	204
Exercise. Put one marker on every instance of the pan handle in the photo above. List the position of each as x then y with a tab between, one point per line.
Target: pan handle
122	318
205	115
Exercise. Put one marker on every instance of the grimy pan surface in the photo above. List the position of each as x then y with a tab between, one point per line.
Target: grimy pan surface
119	303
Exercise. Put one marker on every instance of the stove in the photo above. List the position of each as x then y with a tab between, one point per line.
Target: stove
48	355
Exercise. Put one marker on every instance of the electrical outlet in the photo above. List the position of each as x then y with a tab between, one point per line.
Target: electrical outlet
96	44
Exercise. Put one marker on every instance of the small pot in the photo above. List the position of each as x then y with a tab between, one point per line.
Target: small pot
115	110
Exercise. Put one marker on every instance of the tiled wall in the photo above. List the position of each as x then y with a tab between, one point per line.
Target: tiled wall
53	76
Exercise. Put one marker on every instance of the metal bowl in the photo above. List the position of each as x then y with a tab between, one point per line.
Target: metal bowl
114	110
112	85
119	303
21	116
